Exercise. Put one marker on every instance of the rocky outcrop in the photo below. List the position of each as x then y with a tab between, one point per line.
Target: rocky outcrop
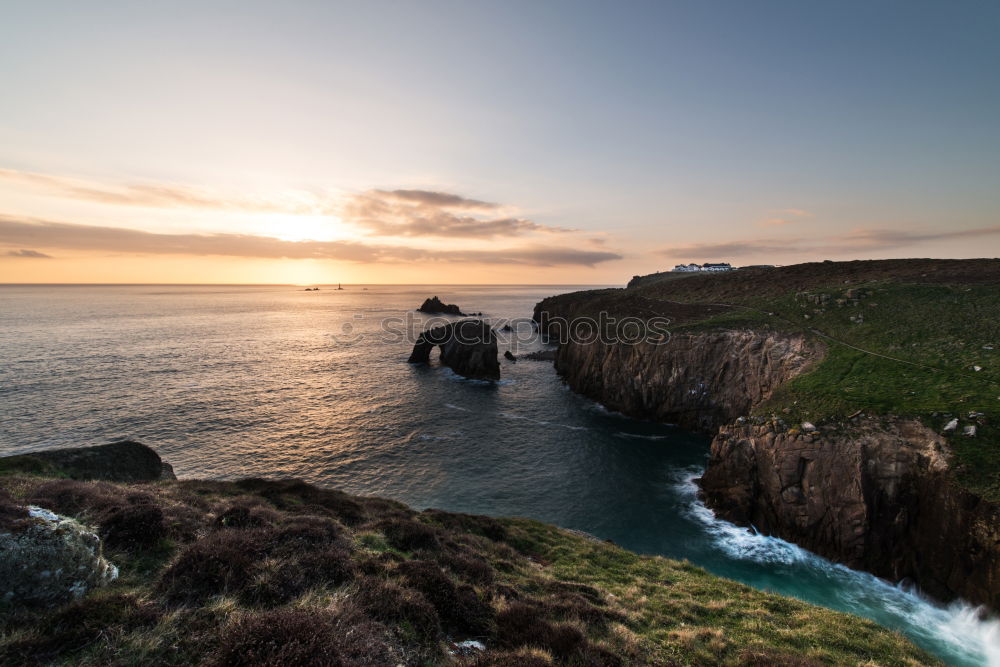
872	494
698	380
468	347
47	559
434	306
124	461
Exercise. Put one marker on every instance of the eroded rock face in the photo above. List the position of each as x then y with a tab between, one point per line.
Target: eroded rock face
468	347
47	559
699	381
874	495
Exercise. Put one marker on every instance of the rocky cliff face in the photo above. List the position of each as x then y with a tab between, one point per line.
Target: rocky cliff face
699	381
873	494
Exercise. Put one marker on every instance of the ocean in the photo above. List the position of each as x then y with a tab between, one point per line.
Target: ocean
274	381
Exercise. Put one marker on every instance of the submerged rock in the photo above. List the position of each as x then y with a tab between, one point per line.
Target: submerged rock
435	306
468	347
541	355
48	559
509	356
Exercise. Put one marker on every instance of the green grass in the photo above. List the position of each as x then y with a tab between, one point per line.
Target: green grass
936	333
936	319
530	591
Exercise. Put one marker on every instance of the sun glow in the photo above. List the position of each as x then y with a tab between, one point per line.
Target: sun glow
295	227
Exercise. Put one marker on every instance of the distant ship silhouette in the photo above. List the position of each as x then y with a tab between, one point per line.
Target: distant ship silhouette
339	287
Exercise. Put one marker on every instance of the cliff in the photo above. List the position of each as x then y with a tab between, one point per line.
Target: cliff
267	572
874	494
696	380
756	358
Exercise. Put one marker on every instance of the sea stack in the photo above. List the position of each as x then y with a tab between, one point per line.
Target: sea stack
468	347
434	306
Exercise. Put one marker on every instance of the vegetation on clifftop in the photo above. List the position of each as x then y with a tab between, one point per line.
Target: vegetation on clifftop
281	572
903	337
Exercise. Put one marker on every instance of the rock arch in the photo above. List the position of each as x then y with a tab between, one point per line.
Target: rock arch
468	347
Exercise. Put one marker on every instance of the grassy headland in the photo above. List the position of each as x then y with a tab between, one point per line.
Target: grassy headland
281	572
917	338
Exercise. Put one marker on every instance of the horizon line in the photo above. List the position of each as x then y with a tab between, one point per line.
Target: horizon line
303	284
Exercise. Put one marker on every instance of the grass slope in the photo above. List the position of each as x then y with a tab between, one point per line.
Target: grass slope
280	572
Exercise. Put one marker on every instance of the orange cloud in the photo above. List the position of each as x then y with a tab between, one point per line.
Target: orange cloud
786	216
48	234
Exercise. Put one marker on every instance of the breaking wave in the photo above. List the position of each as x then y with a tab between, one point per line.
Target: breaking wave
962	634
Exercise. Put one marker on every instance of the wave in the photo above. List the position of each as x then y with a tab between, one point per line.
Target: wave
637	436
452	375
960	633
511	415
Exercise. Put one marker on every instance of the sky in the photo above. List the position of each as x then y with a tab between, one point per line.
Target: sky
490	142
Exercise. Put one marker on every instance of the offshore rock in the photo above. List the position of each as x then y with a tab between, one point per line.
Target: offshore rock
434	306
468	347
124	461
875	495
47	559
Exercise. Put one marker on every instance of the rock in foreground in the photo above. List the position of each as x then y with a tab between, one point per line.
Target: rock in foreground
47	559
125	461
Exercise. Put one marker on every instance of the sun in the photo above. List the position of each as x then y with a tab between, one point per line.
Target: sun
297	227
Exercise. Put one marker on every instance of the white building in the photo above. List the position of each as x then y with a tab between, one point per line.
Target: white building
721	266
687	267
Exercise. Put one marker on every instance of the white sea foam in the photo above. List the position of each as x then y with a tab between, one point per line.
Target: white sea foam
638	436
972	635
540	422
452	375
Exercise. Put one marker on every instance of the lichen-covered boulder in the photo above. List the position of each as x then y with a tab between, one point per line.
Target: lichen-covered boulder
48	559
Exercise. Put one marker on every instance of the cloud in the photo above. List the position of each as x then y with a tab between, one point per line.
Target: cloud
48	234
786	216
161	195
441	199
416	213
396	213
856	241
31	254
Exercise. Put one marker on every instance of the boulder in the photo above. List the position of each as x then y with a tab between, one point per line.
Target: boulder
47	559
124	461
468	347
434	306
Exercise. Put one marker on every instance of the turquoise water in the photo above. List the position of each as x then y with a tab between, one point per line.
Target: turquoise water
274	381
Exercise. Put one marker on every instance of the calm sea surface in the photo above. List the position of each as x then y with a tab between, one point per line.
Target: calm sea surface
274	381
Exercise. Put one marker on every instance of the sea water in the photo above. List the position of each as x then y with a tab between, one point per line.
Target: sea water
230	382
